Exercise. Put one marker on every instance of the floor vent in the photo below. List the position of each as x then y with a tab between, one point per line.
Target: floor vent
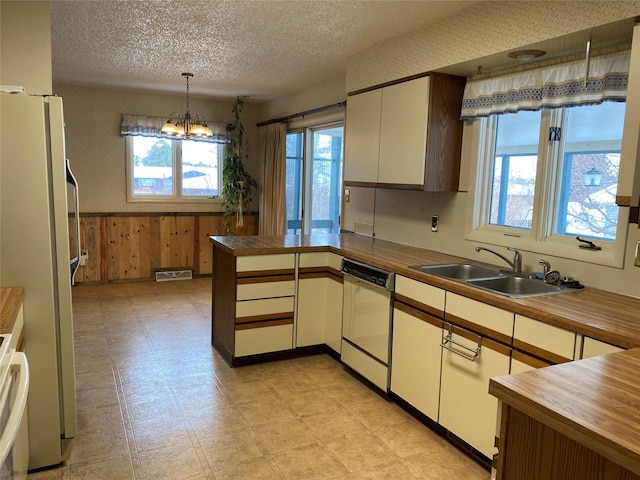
173	275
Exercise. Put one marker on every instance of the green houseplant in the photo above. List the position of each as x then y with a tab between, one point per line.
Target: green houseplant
237	184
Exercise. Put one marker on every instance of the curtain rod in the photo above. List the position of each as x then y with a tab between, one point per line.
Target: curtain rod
302	114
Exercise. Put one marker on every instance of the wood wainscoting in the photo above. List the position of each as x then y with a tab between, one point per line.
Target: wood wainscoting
125	247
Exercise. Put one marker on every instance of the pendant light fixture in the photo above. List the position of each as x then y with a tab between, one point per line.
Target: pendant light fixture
187	125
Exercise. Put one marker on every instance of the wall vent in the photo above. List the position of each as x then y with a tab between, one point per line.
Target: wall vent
173	275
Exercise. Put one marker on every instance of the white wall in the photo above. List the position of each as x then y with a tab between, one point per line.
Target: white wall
96	151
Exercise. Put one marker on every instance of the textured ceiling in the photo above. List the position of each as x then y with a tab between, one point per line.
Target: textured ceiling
257	48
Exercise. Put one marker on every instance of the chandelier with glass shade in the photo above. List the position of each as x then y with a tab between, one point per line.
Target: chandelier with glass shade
187	125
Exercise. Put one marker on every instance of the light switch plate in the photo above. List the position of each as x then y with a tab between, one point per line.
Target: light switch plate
637	255
435	223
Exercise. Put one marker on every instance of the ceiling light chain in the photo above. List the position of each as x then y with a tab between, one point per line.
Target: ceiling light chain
187	125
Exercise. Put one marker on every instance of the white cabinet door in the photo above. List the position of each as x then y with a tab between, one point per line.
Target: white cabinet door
466	407
593	348
403	132
312	311
333	325
362	137
416	357
544	340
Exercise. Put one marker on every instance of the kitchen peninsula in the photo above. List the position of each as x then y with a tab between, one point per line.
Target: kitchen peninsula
272	265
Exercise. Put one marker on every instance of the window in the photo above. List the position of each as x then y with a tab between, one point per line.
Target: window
548	176
314	179
161	169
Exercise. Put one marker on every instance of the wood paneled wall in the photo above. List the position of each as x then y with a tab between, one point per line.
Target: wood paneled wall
129	247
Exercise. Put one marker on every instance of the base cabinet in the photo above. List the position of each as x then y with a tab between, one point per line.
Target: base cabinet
319	309
466	408
415	365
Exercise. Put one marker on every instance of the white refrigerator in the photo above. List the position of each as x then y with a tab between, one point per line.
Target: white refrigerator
35	254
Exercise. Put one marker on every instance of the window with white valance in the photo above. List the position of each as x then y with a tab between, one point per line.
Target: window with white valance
549	158
151	127
554	86
164	168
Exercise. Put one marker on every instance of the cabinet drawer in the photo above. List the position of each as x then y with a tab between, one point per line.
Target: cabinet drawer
253	341
252	291
543	340
254	263
264	307
487	319
320	259
593	348
421	295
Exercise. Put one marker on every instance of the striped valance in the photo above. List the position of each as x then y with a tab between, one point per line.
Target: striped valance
549	87
152	126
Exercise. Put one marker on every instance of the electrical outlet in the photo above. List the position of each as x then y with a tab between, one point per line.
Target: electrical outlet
347	195
84	256
637	255
435	223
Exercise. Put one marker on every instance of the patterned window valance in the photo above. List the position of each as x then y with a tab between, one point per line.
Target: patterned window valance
549	87
152	126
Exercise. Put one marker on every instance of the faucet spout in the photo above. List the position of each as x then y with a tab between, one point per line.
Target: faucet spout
516	264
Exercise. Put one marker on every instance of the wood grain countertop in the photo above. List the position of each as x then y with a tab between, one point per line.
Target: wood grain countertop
606	316
10	300
592	401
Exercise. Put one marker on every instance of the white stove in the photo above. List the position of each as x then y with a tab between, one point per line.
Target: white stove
14	386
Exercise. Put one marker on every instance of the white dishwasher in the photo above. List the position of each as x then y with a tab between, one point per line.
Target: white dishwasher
366	328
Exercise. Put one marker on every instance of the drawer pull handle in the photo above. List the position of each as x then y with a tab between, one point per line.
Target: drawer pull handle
449	340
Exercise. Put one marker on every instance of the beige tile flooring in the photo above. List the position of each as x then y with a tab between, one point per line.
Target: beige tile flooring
156	401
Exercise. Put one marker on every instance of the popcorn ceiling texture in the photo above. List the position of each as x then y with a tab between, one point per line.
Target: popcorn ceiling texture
480	30
253	48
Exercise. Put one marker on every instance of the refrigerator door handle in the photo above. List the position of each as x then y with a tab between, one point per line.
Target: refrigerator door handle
72	181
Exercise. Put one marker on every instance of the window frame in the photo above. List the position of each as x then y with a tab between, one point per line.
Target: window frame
541	238
176	157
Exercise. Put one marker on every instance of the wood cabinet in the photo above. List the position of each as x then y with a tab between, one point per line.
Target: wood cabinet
319	312
407	135
253	304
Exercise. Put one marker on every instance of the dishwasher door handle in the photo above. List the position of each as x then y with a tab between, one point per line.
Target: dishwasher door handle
448	339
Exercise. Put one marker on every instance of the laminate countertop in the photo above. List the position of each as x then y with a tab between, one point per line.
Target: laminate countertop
605	316
594	401
10	301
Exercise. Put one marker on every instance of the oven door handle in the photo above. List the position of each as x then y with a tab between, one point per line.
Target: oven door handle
19	363
449	339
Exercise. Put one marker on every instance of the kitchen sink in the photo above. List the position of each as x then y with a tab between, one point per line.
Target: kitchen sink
459	271
519	287
495	281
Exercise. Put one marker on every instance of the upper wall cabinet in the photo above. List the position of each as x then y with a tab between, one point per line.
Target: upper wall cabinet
406	136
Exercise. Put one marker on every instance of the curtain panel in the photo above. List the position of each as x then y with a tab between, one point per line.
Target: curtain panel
549	87
273	213
152	126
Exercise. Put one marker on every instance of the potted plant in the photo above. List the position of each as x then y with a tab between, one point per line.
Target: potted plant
237	184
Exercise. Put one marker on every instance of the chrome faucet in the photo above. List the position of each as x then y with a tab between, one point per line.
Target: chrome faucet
546	267
516	265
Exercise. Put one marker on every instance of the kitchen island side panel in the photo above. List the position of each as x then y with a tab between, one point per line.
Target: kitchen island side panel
223	304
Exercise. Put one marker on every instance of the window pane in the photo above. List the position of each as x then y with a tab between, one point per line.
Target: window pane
200	175
294	182
587	199
152	166
514	169
326	178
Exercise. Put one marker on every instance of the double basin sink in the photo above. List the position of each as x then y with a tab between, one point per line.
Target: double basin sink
500	282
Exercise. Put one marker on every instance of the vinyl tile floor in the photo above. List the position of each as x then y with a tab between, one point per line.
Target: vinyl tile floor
155	401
